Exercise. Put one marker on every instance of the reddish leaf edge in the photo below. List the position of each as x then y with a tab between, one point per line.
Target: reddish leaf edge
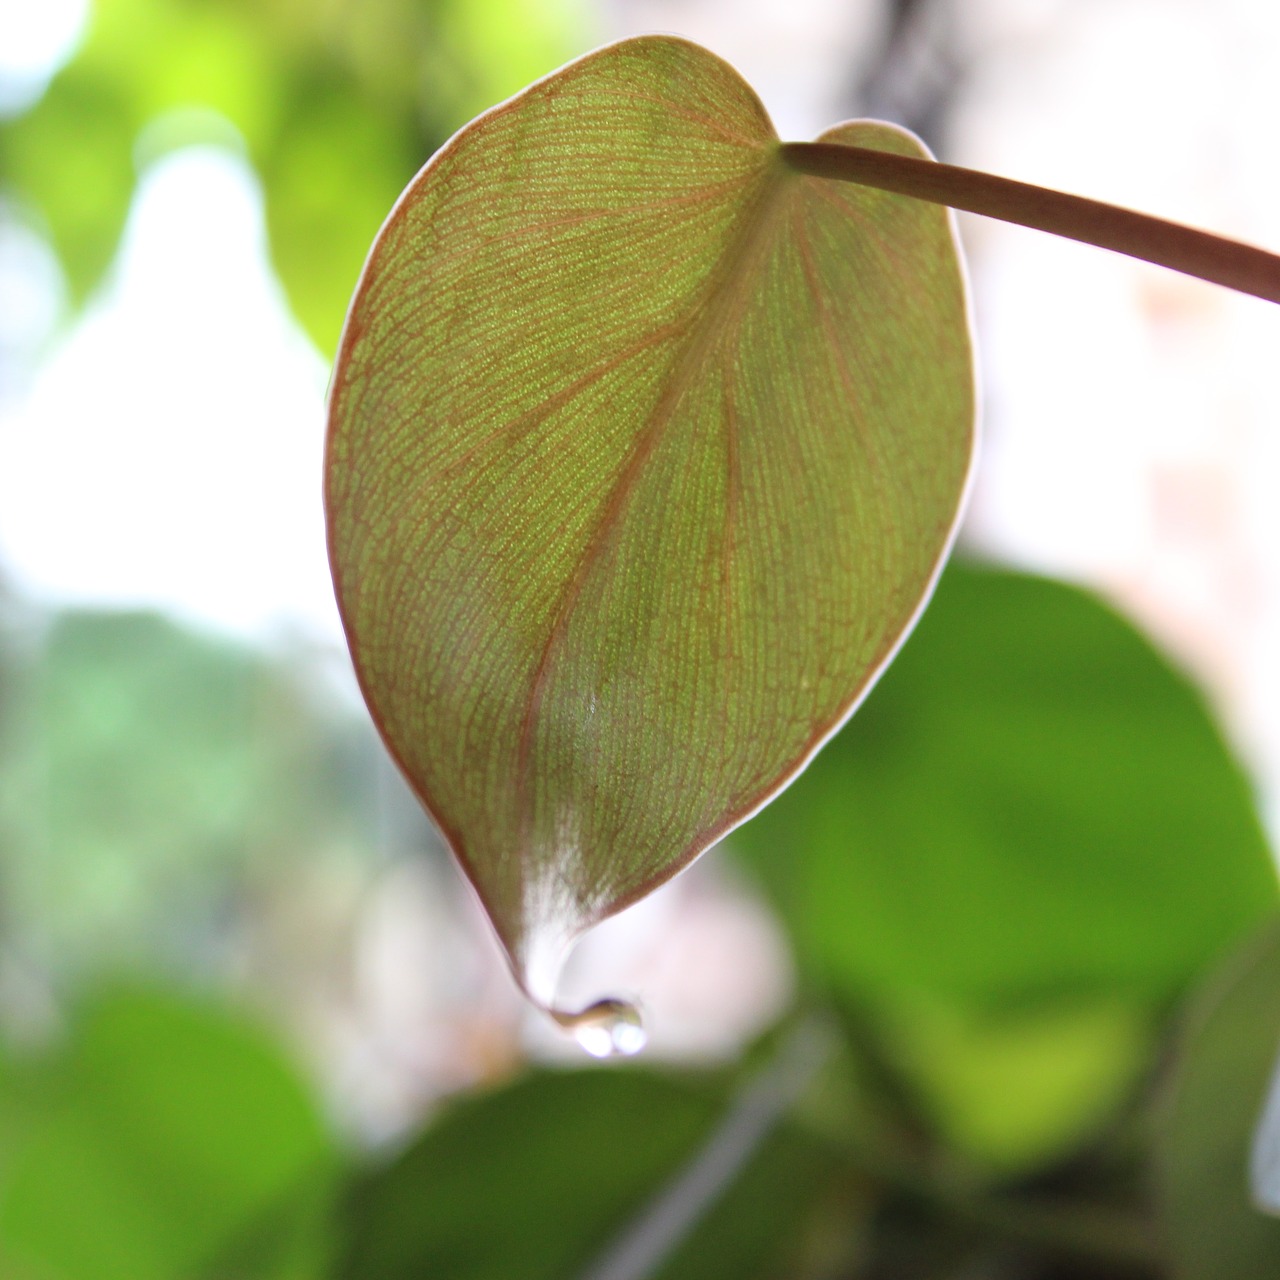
611	1008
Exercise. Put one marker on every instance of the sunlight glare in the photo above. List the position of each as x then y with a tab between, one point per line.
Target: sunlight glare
35	40
169	452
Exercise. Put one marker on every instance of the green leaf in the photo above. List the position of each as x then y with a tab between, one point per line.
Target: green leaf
643	452
72	156
1224	1064
329	174
1014	1090
79	139
161	1135
1033	803
1028	841
541	1179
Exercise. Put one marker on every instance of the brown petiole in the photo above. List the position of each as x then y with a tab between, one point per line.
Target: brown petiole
1242	267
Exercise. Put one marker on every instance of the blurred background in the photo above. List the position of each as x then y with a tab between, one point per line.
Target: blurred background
222	919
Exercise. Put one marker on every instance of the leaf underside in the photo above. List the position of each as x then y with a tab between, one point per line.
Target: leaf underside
644	451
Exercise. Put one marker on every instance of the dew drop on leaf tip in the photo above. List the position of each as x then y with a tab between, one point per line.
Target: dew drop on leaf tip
608	1028
553	922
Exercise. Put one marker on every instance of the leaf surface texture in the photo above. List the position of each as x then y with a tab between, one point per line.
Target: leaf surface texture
643	452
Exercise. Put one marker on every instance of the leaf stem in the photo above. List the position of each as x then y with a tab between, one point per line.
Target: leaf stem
1242	267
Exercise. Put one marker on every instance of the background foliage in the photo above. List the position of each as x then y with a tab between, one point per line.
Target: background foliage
336	106
1029	898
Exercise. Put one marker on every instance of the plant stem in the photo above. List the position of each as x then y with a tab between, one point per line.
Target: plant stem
1168	244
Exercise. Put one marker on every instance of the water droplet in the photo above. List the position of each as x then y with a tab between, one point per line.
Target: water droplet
554	921
609	1028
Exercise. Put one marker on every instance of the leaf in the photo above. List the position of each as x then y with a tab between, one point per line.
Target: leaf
559	1165
1034	802
328	176
643	453
1015	1090
162	1134
1028	841
73	154
1225	1061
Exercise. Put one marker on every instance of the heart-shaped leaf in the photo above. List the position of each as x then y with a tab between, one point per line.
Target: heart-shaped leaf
644	451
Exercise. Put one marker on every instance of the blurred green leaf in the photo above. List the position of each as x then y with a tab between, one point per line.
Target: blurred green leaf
1028	840
71	161
337	105
331	173
539	1179
611	555
72	155
1032	802
1224	1065
160	1134
1019	1086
